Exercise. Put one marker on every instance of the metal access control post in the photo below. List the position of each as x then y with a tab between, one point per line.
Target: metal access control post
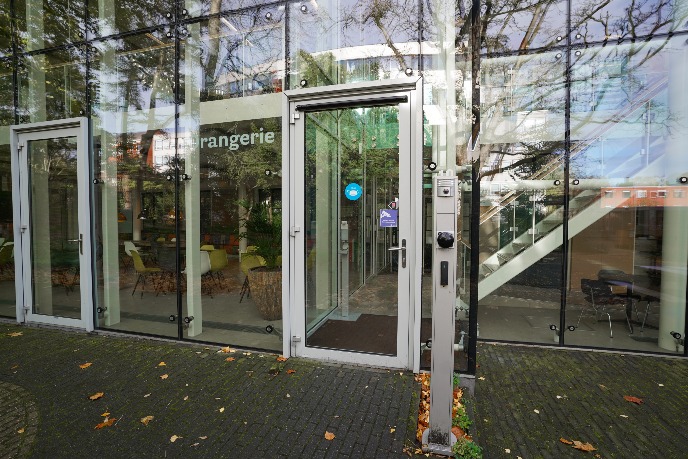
438	436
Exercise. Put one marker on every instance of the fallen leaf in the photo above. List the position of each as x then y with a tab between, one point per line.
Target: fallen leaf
482	378
147	395
85	365
329	436
507	450
107	422
247	353
20	431
204	437
602	386
281	358
583	446
145	420
186	397
291	372
14	367
536	411
106	414
230	359
623	415
636	400
660	385
565	441
96	396
225	350
174	438
15	334
392	430
222	410
165	376
288	396
195	444
162	364
558	396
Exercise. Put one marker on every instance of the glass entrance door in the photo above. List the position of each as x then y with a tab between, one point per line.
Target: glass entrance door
54	253
358	248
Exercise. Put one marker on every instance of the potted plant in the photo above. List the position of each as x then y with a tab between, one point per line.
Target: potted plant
262	228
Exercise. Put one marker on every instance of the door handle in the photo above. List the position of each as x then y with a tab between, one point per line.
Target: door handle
80	241
401	248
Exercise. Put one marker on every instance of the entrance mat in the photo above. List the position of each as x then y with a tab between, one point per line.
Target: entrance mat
371	333
377	334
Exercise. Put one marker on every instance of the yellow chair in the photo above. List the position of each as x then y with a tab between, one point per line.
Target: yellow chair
143	272
249	262
208	247
218	262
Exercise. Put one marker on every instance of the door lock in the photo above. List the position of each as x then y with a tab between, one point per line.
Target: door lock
80	241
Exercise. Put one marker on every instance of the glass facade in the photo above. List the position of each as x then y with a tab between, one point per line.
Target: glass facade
565	121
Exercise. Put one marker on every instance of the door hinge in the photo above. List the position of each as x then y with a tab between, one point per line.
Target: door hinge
20	147
294	116
295	339
293	230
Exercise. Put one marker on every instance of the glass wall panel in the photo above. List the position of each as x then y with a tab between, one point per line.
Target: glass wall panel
229	143
447	95
113	17
7	290
348	41
52	86
5	29
523	24
521	196
622	19
629	247
135	216
48	23
196	8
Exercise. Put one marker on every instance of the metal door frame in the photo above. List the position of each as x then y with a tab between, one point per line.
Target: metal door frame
293	207
19	135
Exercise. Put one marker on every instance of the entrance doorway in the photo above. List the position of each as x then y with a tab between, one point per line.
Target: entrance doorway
355	227
51	214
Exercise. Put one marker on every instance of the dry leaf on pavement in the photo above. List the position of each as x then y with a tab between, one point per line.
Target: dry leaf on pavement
145	420
174	438
107	422
636	400
291	372
85	365
162	364
20	431
583	446
222	410
165	376
15	334
230	359
565	441
106	414
281	358
96	396
329	436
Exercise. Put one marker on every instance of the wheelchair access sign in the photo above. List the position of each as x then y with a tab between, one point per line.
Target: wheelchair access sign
388	218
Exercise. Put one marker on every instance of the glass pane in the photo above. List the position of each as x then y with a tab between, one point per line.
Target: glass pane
521	196
5	29
52	86
628	244
230	143
6	94
519	25
621	19
54	227
110	18
348	41
352	180
7	289
49	23
135	214
206	7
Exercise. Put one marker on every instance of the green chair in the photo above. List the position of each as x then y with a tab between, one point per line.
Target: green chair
143	272
218	262
249	261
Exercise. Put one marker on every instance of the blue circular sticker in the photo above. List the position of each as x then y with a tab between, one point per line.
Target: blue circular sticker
353	191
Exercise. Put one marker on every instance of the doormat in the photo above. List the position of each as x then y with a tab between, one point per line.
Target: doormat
371	333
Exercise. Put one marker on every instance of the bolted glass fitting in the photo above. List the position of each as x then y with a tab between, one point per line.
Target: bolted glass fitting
168	15
575	181
558	56
408	71
268	16
303	83
304	9
560	38
578	52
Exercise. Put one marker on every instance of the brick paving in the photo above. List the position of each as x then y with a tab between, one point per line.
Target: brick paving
578	396
264	415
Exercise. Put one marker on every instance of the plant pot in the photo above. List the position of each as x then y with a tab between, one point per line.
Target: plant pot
266	292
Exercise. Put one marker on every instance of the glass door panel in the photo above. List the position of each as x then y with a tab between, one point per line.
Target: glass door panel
352	195
55	237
